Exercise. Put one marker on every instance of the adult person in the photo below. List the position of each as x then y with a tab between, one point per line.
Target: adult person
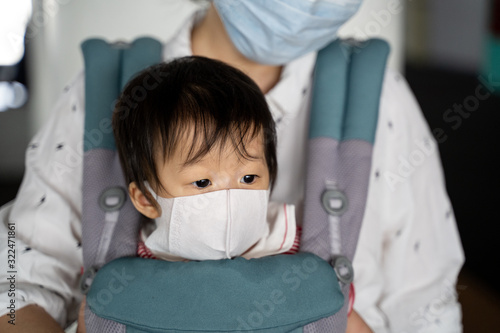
409	252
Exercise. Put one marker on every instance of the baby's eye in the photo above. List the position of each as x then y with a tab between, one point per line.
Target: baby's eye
248	179
201	183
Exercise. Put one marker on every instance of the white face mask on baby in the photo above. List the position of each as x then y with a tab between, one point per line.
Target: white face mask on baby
210	226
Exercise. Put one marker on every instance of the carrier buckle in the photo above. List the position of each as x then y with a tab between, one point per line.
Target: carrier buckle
334	202
343	268
112	199
87	278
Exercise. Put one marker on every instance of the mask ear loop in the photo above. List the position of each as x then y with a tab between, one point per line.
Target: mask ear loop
228	226
154	195
150	189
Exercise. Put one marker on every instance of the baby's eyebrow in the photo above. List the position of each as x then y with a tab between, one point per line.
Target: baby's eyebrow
186	166
191	160
247	158
188	163
253	157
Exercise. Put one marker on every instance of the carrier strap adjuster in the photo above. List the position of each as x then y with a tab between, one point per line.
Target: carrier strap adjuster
343	268
87	278
334	202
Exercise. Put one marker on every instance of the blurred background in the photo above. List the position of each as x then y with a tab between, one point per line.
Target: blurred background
448	50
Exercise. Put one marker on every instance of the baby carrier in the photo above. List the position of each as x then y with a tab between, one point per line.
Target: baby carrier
307	292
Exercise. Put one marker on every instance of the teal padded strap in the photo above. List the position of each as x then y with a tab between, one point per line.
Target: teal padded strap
272	294
107	69
347	86
142	53
367	71
330	91
99	97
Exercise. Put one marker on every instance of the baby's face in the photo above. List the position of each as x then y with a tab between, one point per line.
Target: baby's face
217	170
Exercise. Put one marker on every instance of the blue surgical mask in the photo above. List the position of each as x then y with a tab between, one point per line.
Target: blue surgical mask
275	32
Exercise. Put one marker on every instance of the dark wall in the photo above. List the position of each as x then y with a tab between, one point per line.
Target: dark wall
469	139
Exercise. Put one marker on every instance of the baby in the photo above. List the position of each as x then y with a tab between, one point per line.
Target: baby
199	154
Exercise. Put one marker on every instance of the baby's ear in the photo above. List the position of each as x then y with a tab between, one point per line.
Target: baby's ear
141	203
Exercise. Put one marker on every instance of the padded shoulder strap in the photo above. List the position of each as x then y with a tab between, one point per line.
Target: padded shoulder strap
107	69
347	84
347	87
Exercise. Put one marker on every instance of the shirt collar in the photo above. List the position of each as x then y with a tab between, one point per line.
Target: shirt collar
287	97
